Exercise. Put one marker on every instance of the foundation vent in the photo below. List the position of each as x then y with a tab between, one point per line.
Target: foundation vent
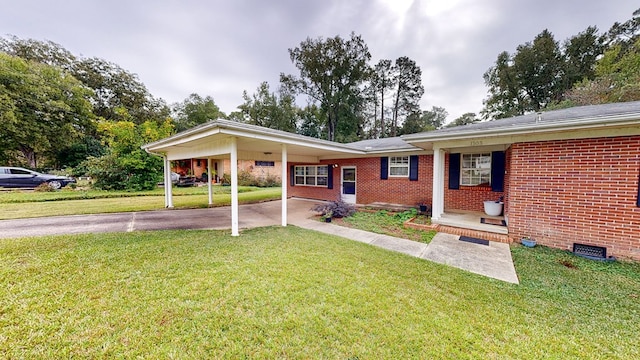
591	252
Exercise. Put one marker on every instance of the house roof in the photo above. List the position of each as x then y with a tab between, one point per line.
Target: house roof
384	145
590	116
213	138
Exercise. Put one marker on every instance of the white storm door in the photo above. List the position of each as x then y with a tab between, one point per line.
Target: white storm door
348	184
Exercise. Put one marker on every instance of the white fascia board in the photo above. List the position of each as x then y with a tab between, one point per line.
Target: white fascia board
290	140
574	124
168	142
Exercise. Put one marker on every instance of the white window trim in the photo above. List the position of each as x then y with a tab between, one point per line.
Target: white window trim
462	168
391	165
316	176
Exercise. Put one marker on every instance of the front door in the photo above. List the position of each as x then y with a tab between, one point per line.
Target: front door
348	184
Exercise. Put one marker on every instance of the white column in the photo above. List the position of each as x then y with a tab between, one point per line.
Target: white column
166	176
209	178
168	185
234	187
437	208
283	180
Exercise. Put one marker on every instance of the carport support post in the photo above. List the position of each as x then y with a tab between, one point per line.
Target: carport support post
168	185
209	181
437	208
234	187
283	180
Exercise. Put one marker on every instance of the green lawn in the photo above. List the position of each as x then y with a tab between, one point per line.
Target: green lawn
292	293
388	223
23	204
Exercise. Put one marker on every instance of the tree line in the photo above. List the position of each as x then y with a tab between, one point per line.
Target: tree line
59	110
587	68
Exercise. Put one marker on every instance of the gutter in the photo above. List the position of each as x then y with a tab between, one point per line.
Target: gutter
573	124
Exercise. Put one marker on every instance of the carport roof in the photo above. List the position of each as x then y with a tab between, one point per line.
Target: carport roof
258	139
250	138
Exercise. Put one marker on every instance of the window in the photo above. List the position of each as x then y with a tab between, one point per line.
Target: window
266	163
399	166
475	169
311	175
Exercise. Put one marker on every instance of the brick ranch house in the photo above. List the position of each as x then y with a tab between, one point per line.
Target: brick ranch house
565	176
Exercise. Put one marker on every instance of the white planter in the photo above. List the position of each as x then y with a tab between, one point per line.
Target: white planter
493	208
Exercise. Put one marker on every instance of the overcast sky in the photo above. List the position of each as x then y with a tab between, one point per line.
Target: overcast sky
220	48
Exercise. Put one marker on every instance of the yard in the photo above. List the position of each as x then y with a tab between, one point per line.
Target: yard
292	293
15	204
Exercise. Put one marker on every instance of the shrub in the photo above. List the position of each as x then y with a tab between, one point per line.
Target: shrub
246	178
44	187
337	209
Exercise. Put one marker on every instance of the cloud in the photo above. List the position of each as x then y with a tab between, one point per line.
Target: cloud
220	48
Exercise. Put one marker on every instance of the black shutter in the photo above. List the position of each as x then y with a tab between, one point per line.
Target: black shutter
329	177
292	175
454	171
413	167
638	201
384	168
497	170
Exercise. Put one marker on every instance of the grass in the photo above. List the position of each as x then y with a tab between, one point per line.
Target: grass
388	223
24	204
292	293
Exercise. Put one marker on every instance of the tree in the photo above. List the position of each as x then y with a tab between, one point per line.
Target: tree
195	110
126	166
42	108
267	109
381	83
426	121
618	79
408	90
464	119
45	52
332	72
581	53
505	97
539	70
624	34
538	74
118	94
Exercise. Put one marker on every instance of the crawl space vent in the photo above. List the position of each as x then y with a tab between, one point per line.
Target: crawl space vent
591	252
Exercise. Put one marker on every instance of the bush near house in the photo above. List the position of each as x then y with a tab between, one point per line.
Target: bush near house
246	178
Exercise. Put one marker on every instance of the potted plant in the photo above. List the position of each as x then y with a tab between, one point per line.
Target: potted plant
327	216
528	241
424	207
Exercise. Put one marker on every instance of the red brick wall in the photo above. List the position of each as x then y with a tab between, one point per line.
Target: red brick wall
469	198
582	191
369	187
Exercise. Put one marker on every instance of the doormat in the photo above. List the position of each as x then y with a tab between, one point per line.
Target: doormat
474	240
489	221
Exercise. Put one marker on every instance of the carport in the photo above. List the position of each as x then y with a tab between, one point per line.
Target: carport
224	139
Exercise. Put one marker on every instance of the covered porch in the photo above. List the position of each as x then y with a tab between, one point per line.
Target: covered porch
466	174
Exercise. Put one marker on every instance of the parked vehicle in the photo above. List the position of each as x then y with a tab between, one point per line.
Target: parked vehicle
16	177
175	178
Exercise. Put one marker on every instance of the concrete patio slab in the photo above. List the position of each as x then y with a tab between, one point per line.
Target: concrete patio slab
493	260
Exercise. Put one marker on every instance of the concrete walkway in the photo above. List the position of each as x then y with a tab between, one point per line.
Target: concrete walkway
492	261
